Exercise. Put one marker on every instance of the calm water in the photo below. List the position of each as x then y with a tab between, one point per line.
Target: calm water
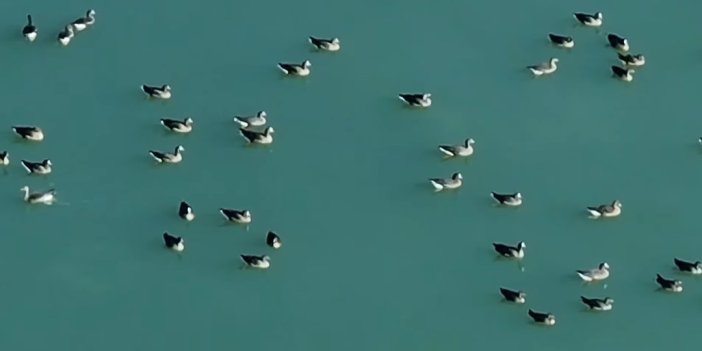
372	258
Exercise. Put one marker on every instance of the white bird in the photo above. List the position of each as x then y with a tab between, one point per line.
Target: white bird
295	69
65	36
84	22
237	216
544	68
588	19
416	100
273	240
184	126
255	137
166	157
612	210
257	120
260	262
29	132
163	92
45	198
30	30
43	167
455	182
599	273
625	74
186	212
458	150
174	243
332	44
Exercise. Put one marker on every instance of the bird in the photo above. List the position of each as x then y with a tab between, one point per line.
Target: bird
238	216
669	284
607	211
598	304
4	158
166	157
514	199
625	74
513	296
65	36
542	318
163	92
295	69
588	19
186	212
45	198
630	60
544	68
690	267
43	167
184	126
458	150
455	182
84	22
333	44
416	100
257	120
255	137
510	251
599	273
174	243
273	240
261	262
617	42
30	31
561	40
29	132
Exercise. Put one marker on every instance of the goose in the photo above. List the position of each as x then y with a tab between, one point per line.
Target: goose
84	22
514	199
162	157
252	136
588	19
690	267
630	60
261	262
242	217
184	126
45	198
163	92
607	211
186	212
333	44
257	120
625	74
561	40
174	243
544	68
294	69
273	240
669	284
598	304
65	36
29	132
4	158
458	150
510	251
30	30
542	318
513	296
43	167
599	273
617	42
416	100
455	182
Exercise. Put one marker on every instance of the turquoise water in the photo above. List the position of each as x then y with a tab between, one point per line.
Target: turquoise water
372	258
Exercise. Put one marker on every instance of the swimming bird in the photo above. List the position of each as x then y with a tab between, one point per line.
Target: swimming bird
84	22
29	132
163	92
174	243
273	240
690	267
598	304
542	318
255	137
514	199
625	74
588	19
43	167
510	251
184	126
458	150
612	210
4	158
561	40
185	211
30	30
599	273
455	182
416	100
65	36
669	284
238	216
513	296
630	60
166	157
617	42
261	262
45	198
544	68
256	120
332	44
295	69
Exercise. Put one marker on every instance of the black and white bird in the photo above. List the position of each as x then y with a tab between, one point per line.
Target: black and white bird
296	69
598	304
333	44
83	22
43	167
165	157
561	40
273	240
617	42
255	137
238	216
464	150
257	120
514	199
669	284
632	60
510	251
4	158
594	20
542	318
260	262
174	243
184	126
416	100
544	68
29	132
185	211
455	182
163	92
45	197
607	211
513	296
689	267
66	35
625	74
30	31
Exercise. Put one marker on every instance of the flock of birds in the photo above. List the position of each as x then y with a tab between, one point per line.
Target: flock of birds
254	129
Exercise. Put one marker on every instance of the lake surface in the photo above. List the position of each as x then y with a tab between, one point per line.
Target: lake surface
372	259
